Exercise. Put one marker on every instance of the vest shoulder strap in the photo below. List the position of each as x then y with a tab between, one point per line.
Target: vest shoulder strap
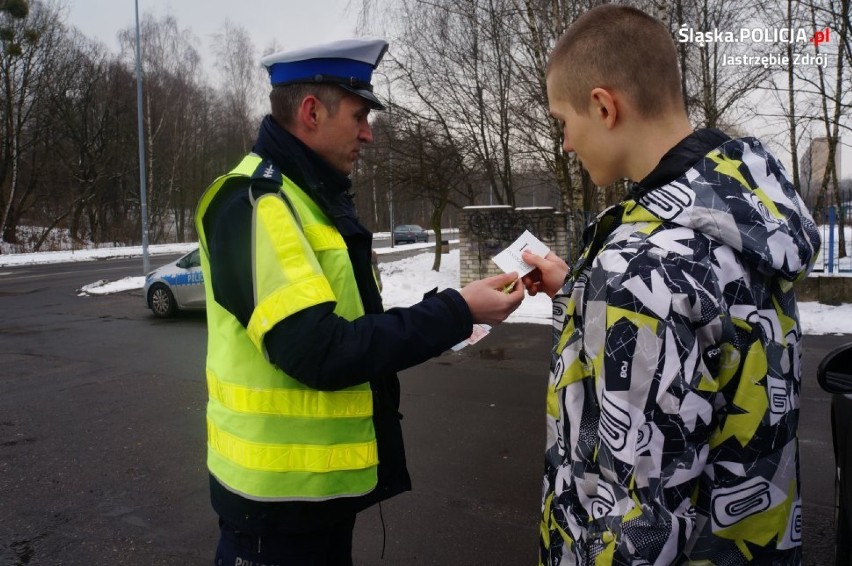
267	179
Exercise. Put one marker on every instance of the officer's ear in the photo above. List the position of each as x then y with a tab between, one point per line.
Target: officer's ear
310	112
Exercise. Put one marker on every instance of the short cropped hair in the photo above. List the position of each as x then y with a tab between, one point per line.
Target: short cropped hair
618	48
285	100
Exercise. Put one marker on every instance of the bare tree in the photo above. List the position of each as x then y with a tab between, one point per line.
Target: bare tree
833	101
718	71
28	51
454	59
241	78
67	109
170	64
449	61
431	165
791	20
89	106
544	22
541	137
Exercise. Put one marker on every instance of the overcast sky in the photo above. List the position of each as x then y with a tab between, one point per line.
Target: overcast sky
292	23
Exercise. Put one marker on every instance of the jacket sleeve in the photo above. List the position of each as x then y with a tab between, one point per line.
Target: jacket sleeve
655	332
289	310
327	352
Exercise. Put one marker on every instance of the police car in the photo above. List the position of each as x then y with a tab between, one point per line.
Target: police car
176	286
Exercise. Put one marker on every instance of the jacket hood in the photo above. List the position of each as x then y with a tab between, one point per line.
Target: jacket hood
740	195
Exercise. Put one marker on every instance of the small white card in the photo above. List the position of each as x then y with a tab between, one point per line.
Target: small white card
510	259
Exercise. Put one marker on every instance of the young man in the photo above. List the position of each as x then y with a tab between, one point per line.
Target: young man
303	417
674	387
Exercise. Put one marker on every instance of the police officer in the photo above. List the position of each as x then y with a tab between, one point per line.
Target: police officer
303	422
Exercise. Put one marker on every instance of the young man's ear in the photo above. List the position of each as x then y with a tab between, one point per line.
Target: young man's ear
604	106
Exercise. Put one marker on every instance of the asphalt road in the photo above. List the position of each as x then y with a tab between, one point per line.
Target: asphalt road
102	437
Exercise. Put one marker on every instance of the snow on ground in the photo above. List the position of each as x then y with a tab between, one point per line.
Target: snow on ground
92	254
405	281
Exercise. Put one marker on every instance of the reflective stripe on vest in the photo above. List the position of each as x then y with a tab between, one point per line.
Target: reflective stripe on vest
307	403
291	457
270	437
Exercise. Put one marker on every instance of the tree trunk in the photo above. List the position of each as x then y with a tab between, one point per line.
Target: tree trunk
791	100
10	229
435	222
835	135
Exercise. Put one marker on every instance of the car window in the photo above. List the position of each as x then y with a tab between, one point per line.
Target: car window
190	260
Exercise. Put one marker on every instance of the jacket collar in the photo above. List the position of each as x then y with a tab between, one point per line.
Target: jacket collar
679	159
324	184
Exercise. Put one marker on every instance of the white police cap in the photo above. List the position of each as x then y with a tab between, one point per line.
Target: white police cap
348	63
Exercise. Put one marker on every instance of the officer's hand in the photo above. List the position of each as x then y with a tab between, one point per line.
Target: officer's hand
548	275
487	301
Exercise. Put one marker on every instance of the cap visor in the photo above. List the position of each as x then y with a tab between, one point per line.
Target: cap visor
375	103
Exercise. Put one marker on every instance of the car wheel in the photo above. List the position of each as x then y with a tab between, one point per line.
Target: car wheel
161	301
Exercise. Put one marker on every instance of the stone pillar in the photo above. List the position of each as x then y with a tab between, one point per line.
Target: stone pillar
484	231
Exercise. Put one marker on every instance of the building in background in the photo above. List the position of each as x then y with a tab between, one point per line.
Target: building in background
812	170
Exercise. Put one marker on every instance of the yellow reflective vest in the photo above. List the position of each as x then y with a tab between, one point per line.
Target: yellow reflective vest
270	437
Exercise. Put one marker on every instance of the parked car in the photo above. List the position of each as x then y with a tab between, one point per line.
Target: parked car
178	285
409	234
835	376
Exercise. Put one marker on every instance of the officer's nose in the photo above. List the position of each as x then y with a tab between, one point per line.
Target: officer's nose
366	133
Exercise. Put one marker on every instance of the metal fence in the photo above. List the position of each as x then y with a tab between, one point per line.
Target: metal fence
835	225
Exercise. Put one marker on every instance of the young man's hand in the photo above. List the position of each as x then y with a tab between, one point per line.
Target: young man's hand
548	275
487	300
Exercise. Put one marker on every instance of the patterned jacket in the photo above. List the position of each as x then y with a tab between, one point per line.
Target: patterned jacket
673	400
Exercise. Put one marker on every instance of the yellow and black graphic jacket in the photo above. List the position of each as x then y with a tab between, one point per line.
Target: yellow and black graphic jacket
673	400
